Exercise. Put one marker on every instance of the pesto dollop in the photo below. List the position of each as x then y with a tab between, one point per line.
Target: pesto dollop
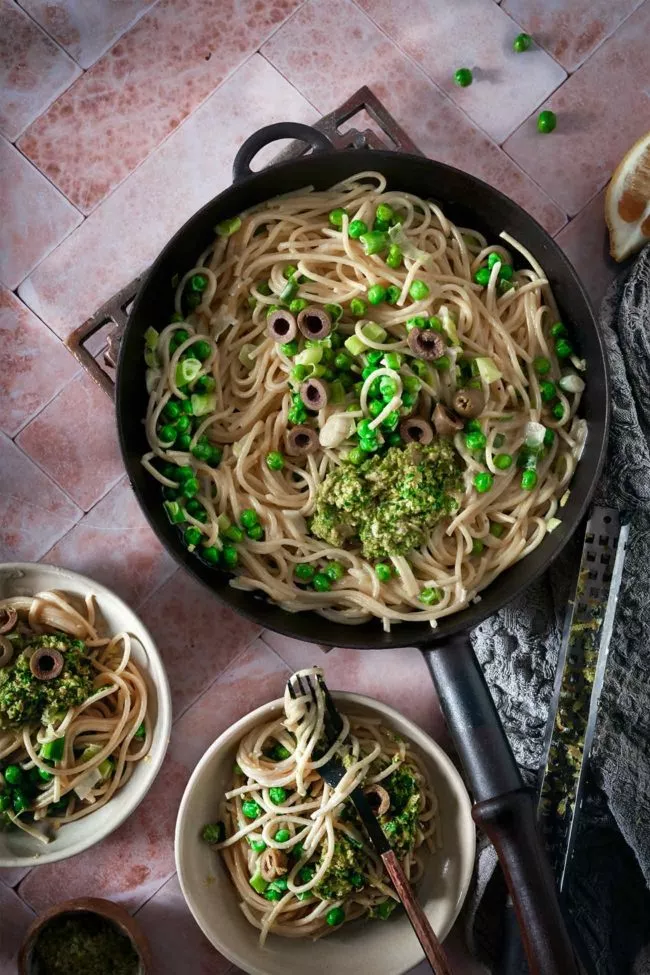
389	503
24	698
84	944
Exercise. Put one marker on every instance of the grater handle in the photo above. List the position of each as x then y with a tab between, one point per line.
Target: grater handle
509	821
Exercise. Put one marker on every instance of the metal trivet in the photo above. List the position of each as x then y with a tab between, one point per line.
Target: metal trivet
96	343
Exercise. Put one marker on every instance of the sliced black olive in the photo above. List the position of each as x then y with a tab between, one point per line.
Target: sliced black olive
46	664
314	394
469	402
416	430
8	619
302	440
426	343
281	326
445	422
314	322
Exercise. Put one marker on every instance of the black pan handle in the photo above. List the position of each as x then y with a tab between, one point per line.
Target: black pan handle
241	167
504	809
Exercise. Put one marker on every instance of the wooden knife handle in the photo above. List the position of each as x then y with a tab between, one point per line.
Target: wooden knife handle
426	935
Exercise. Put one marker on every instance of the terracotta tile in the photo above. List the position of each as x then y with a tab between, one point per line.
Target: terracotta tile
35	365
16	919
75	442
184	46
135	861
570	30
33	70
601	111
127	232
197	635
114	544
442	37
35	216
86	30
176	938
586	243
396	677
328	73
34	513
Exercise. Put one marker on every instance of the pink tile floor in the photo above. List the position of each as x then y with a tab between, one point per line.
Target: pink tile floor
120	119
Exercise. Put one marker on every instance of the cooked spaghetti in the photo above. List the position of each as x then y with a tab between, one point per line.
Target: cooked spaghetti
295	849
360	408
73	713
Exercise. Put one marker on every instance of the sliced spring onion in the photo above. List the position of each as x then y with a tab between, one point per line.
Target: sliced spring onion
337	392
223	522
88	753
579	364
151	337
374	332
203	403
174	512
53	750
354	345
337	428
408	248
151	358
228	227
237	448
572	383
152	377
309	357
87	783
487	370
552	524
106	767
245	355
258	883
564	498
534	435
449	325
186	371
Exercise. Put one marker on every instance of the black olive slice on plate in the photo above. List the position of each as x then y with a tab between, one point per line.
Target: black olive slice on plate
46	664
302	440
469	402
426	343
314	394
281	326
446	422
314	322
416	430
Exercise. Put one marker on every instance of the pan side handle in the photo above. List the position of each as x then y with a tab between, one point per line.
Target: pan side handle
504	809
241	167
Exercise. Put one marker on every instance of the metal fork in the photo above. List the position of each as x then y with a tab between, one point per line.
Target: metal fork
332	772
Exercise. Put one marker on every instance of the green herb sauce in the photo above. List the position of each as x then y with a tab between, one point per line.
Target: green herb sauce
84	944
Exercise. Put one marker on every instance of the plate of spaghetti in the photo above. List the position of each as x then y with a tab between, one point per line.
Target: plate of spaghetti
84	713
271	859
361	409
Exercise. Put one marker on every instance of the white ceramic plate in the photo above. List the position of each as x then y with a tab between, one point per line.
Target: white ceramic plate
386	947
17	849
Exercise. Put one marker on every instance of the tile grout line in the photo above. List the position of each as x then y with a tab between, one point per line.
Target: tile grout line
63	51
44	406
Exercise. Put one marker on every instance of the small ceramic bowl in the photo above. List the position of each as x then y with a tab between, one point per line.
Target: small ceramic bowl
86	905
17	849
388	947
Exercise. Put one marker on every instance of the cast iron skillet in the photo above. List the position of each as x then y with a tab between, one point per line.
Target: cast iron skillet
503	808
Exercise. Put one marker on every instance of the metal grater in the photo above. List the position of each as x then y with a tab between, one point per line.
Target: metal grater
581	667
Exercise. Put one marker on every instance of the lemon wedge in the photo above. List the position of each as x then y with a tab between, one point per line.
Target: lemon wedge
627	201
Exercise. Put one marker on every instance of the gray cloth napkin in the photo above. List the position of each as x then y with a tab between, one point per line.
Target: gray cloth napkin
518	650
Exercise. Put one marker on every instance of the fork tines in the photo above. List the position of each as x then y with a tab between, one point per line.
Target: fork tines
333	722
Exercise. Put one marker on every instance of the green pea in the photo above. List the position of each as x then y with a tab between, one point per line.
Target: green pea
297	305
251	809
430	596
167	434
416	322
343	361
256	533
5	802
394	439
20	801
192	537
258	846
334	570
201	350
496	529
522	43
334	311
409	399
549	437
558	411
358	307
304	571
463	77
210	554
475	440
233	533
391	421
483	481
411	384
13	774
383	571
176	317
335	916
385	213
547	391
277	795
190	487
546	121
503	461
290	348
230	556
184	441
216	453
282	836
529	480
381	225
183	424
388	387
192	299
375	407
541	365
272	894
321	583
356	228
506	272
249	518
482	276
274	461
356	456
419	290
289	271
558	330
477	546
376	294
172	410
392	294
335	217
442	362
434	323
563	349
205	384
198	282
394	256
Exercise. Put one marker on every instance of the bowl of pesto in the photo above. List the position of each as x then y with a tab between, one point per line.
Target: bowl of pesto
85	713
277	871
